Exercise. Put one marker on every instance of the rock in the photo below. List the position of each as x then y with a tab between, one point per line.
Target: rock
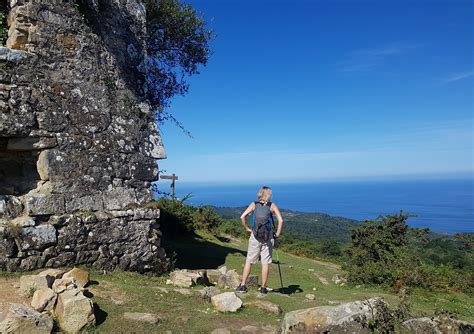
269	329
213	275
144	317
328	318
184	278
266	306
56	273
37	237
220	331
249	329
208	292
183	292
223	270
40	204
74	311
43	300
23	319
338	279
226	302
230	280
63	284
421	325
310	296
30	283
252	281
81	277
10	206
436	325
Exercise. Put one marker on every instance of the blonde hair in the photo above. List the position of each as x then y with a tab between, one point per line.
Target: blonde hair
264	194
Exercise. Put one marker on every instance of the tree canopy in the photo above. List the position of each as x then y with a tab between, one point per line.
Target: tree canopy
177	44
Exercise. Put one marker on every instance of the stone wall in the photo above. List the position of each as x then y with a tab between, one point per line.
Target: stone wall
76	133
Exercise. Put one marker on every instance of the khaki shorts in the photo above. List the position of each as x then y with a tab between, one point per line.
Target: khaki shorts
259	249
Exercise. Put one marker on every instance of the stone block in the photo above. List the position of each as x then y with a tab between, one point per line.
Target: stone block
37	237
74	311
43	300
119	198
30	283
81	277
226	302
37	205
23	319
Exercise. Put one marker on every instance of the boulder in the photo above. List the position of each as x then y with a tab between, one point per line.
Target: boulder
144	317
23	319
266	306
74	311
230	280
63	284
30	283
339	279
435	325
213	275
328	318
184	278
208	292
44	299
56	273
226	302
81	277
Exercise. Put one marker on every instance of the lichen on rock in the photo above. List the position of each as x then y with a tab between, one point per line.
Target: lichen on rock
76	136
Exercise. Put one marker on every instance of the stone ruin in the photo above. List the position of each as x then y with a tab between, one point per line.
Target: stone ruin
78	141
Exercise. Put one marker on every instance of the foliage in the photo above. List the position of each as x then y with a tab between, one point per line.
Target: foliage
386	252
177	218
307	226
3	22
177	43
377	251
383	319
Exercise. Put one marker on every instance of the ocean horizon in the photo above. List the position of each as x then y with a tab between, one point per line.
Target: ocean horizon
443	205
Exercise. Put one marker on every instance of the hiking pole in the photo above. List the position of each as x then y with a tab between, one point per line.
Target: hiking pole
279	269
278	258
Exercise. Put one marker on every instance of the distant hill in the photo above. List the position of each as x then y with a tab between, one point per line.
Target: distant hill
311	226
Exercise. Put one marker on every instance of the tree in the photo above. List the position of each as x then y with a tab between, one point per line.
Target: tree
378	251
177	44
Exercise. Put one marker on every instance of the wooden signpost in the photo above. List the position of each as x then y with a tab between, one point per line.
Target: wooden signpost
172	178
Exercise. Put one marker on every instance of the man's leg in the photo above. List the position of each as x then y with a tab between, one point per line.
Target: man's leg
265	267
246	273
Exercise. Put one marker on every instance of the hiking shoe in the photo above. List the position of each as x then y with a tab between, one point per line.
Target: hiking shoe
263	291
241	289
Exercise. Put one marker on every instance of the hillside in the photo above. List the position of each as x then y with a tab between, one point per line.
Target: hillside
305	225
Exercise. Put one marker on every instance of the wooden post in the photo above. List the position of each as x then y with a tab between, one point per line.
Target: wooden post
173	178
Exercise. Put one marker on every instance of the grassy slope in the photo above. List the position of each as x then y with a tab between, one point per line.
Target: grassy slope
191	314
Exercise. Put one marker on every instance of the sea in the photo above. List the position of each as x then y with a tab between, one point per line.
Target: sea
442	205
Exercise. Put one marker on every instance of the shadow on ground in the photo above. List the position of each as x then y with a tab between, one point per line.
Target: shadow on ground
289	290
197	253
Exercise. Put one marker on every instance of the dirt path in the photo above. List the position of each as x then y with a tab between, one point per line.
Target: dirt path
9	291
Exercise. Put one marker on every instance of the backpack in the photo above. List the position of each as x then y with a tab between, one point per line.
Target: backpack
262	220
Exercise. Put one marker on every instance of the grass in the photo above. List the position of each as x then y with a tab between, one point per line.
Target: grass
119	292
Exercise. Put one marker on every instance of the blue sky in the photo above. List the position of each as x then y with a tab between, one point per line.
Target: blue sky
326	90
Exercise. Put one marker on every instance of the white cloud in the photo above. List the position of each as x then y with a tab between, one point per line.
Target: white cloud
458	76
365	60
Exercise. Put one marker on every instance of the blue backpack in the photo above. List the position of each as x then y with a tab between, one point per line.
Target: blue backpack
262	220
